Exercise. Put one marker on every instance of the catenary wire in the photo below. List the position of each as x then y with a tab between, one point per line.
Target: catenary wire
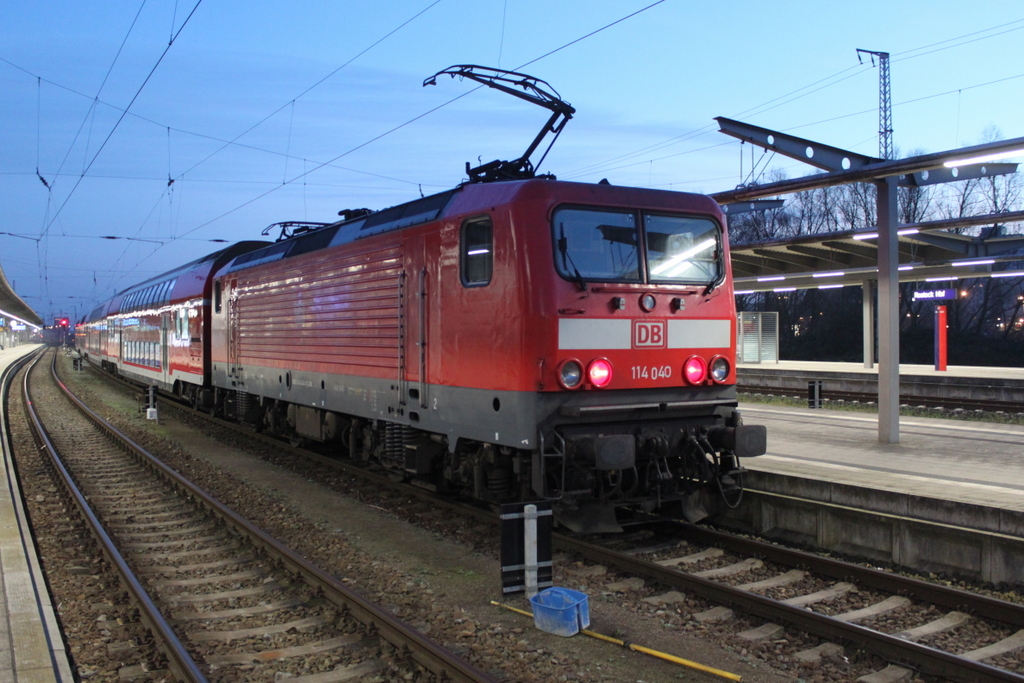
199	135
315	85
118	123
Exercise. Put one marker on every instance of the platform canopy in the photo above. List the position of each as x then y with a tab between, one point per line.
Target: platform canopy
927	251
842	167
12	305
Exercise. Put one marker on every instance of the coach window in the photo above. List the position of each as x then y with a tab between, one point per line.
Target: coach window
477	252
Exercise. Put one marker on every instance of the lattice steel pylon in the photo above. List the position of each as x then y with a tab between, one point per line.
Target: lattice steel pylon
884	102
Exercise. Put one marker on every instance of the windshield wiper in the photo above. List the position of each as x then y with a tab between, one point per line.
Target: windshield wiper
563	248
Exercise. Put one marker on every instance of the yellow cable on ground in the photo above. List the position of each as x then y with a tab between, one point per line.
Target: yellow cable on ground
638	648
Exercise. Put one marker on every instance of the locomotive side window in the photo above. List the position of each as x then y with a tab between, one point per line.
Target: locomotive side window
216	296
477	252
682	249
597	245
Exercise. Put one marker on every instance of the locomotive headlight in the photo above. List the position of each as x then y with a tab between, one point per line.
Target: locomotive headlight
719	369
570	374
695	370
600	373
648	302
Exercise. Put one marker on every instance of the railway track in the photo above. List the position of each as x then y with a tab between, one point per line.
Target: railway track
915	626
242	605
948	403
838	602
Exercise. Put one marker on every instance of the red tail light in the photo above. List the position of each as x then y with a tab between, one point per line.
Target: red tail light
600	373
695	370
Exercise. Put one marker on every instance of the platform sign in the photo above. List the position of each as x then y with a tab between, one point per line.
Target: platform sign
934	294
526	547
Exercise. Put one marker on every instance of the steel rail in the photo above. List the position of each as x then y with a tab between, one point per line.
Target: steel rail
432	656
895	650
905	399
944	596
180	662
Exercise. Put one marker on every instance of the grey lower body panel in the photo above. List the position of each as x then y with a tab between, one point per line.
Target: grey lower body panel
504	418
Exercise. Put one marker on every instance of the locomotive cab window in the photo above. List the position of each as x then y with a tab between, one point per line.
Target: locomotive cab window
601	245
216	296
477	261
682	249
597	245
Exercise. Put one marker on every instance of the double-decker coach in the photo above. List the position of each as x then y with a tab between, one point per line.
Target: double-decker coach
157	332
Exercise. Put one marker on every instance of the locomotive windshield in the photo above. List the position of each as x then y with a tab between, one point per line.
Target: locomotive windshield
603	246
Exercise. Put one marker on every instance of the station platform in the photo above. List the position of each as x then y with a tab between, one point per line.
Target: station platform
976	463
31	647
947	500
957	381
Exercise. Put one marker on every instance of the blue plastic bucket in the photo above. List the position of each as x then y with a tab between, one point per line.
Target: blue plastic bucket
560	611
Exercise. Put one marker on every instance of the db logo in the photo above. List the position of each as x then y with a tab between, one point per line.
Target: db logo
649	334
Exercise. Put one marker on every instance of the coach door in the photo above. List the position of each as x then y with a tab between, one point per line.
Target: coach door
165	368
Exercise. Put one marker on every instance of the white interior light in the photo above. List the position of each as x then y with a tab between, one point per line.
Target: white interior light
986	262
773	278
14	317
866	236
682	256
953	163
834	273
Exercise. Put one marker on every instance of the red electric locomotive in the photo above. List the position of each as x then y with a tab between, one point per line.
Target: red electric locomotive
514	340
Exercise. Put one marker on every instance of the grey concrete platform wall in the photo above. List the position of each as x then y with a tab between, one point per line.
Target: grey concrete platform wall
923	534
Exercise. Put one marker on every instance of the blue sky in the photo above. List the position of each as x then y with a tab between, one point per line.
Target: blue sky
646	90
